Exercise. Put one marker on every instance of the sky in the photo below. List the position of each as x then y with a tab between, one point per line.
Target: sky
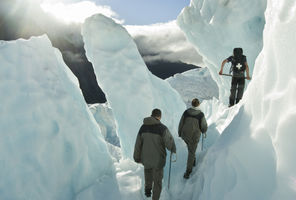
151	23
140	12
127	12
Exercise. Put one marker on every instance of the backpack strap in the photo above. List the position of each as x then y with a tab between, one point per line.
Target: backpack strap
157	129
199	116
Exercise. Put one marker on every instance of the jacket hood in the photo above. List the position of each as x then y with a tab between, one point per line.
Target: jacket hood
150	121
193	111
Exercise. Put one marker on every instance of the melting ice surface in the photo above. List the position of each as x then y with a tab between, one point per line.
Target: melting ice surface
50	147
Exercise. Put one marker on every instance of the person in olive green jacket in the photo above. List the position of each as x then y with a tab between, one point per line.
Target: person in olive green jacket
192	124
150	150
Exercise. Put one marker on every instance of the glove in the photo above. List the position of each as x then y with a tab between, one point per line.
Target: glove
137	160
174	149
204	135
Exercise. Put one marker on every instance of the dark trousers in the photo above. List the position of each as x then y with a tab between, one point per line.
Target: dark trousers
153	177
237	90
191	146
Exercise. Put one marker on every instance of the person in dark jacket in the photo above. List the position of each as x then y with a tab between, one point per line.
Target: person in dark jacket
238	65
192	124
150	150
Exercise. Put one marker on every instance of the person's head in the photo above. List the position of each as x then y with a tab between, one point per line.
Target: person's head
156	113
195	102
237	52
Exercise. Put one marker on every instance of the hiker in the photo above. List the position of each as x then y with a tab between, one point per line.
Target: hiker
150	150
192	124
239	66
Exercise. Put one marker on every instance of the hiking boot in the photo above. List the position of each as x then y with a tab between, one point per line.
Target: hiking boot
148	192
194	163
186	175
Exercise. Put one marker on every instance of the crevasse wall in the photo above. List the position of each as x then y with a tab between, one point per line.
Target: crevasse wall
254	158
215	27
270	99
51	146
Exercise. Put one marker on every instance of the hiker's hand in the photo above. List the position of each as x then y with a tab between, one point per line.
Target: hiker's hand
179	134
248	78
220	72
174	150
204	135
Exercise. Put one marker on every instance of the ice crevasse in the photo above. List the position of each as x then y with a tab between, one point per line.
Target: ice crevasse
254	156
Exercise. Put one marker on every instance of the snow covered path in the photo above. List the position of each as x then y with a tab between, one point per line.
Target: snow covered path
130	177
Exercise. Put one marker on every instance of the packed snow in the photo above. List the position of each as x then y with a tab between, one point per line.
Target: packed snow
51	146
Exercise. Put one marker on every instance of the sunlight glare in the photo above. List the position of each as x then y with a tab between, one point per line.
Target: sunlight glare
77	12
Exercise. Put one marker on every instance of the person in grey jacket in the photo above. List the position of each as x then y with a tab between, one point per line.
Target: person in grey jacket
150	150
192	124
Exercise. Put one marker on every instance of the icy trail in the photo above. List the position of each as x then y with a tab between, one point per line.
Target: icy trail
130	175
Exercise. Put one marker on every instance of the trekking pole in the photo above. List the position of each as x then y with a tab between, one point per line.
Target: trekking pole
204	135
170	171
233	76
169	179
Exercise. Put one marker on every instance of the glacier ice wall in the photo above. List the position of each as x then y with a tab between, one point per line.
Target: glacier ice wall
215	27
270	99
131	89
104	117
254	158
195	83
51	146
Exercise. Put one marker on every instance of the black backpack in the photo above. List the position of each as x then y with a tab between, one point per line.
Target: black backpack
238	61
237	52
